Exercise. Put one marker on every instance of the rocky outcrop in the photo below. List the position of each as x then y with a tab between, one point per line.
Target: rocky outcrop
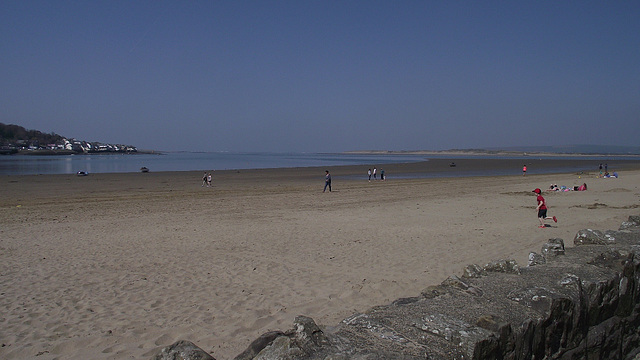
581	302
183	350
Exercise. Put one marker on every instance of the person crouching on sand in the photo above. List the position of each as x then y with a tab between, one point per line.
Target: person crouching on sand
542	209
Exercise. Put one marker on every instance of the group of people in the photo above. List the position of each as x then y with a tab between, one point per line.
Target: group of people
555	187
206	179
374	172
370	173
606	174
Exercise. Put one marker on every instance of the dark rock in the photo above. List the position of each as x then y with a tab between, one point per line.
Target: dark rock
457	283
182	350
553	248
258	345
536	259
433	291
632	224
473	271
593	237
503	266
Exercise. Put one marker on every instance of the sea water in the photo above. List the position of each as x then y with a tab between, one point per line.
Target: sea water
183	161
208	161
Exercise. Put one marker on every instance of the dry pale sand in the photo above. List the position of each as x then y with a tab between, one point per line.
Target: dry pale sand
115	266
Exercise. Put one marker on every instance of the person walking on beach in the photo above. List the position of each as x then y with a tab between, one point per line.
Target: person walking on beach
369	173
382	175
542	209
204	179
524	170
327	181
374	173
209	180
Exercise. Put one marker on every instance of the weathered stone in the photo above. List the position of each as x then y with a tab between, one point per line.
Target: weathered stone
404	301
490	322
627	225
503	266
306	337
539	298
461	334
258	345
433	291
473	271
553	248
281	348
536	259
308	334
592	237
457	283
182	350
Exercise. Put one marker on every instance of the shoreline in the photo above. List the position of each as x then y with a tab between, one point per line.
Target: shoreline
440	166
120	265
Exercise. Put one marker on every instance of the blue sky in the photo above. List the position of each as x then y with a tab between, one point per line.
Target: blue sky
317	76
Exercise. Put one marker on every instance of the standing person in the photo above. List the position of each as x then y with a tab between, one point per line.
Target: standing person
381	174
374	173
606	166
524	170
369	173
327	181
542	209
204	179
209	180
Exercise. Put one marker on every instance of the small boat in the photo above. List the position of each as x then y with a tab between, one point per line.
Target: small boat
144	169
82	173
452	164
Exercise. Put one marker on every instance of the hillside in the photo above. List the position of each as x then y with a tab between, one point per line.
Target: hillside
12	134
17	139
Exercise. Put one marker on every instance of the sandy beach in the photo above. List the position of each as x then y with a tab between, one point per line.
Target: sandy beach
117	266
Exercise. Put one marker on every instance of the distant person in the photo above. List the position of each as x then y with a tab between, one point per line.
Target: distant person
600	168
327	181
209	180
524	170
369	173
606	166
542	209
382	175
374	173
204	179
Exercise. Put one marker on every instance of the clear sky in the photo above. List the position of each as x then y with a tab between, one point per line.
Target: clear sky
323	76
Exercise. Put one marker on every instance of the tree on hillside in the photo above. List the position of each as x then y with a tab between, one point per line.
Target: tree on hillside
10	134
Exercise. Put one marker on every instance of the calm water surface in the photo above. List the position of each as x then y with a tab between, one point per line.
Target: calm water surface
189	161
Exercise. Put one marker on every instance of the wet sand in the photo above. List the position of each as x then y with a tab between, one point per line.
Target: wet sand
113	266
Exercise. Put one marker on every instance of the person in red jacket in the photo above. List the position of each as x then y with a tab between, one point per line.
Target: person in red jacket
542	209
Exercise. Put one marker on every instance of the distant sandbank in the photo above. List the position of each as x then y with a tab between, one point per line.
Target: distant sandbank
481	152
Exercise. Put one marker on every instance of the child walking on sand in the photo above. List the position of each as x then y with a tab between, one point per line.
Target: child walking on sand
542	209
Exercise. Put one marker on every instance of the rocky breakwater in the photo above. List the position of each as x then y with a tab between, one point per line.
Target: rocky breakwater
581	302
